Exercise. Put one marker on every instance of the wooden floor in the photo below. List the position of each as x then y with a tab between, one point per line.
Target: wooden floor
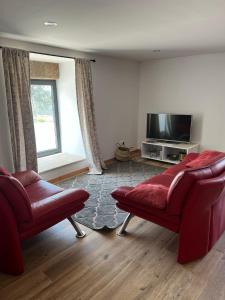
141	265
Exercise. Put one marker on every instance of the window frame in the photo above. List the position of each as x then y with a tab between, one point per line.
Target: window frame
56	119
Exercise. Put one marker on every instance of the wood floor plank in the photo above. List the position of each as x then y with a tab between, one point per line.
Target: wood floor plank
26	287
141	265
215	287
44	247
202	271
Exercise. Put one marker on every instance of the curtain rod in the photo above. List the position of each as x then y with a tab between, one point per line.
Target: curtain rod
93	60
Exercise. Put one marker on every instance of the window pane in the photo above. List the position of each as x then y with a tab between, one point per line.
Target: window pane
42	98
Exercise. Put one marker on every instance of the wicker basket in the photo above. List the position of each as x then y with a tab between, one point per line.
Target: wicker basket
122	153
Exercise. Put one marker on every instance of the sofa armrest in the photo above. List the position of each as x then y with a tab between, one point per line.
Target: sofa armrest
121	192
77	195
27	177
59	202
197	230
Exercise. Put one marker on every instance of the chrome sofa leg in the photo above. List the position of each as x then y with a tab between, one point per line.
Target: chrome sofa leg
80	233
122	230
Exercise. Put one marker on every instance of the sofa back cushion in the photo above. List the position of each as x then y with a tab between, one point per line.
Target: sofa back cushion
218	167
149	195
206	158
181	186
17	197
27	177
215	160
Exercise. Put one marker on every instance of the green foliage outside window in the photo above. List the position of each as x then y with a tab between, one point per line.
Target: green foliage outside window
42	102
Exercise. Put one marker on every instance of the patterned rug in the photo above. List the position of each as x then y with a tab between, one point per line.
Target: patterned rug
100	211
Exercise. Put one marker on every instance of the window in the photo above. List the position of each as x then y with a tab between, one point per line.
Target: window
46	117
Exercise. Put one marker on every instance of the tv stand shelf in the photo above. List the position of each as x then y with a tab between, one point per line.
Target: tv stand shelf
167	152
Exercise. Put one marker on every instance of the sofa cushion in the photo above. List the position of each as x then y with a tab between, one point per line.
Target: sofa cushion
52	210
205	158
41	189
149	195
4	172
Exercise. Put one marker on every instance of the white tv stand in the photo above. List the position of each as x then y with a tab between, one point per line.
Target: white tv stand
166	151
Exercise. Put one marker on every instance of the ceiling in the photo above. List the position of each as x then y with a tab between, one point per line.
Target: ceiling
120	28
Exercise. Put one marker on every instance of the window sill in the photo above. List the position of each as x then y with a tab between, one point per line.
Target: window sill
58	160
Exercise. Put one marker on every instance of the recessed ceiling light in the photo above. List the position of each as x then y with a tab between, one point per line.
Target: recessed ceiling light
50	24
156	50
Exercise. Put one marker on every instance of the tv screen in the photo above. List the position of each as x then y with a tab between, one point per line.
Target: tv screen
169	127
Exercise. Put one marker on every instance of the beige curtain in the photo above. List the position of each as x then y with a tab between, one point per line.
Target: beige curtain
87	114
17	84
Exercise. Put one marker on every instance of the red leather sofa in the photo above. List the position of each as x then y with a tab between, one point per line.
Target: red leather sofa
29	205
188	198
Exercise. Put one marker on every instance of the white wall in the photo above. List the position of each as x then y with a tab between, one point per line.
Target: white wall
193	85
68	113
116	102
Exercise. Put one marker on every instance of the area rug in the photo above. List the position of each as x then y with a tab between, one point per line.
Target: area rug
100	211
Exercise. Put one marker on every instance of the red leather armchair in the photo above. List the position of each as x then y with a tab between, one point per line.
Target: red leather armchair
188	198
29	205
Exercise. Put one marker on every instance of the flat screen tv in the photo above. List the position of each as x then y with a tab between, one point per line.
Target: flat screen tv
169	127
